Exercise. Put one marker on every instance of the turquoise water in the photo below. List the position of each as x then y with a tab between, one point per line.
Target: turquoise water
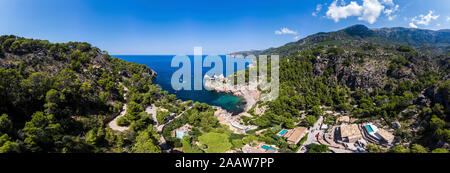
369	128
282	132
180	135
268	147
162	65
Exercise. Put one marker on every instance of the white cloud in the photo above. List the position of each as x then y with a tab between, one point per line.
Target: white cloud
448	19
423	19
390	18
296	37
389	11
342	12
285	31
318	8
369	11
388	2
412	25
372	10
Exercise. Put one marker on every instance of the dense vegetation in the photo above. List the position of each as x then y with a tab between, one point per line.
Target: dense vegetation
57	97
367	79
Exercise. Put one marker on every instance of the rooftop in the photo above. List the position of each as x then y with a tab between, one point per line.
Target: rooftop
296	134
385	135
343	119
351	131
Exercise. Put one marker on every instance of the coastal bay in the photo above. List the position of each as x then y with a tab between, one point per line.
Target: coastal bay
232	102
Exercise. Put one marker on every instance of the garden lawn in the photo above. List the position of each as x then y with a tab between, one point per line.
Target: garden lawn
215	142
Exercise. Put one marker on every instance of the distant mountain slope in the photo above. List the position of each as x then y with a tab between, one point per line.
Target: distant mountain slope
383	76
434	42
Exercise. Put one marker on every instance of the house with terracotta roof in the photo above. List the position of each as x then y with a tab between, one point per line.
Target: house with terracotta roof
294	136
385	135
350	133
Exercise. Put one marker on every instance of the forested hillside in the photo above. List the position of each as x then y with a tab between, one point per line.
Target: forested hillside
60	97
57	97
369	78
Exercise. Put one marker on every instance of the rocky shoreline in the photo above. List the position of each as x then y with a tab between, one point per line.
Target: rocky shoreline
218	84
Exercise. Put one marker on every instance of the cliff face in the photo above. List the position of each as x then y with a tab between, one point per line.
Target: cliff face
364	58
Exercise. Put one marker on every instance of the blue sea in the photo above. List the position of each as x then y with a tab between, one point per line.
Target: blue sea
161	64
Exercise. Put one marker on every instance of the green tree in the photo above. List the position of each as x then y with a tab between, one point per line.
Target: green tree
316	148
53	98
41	131
399	149
440	150
5	124
133	111
317	111
123	121
309	120
91	137
6	146
237	143
372	148
145	144
416	148
437	123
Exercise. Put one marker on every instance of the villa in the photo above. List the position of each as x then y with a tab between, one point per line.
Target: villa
350	133
385	135
377	135
343	119
295	135
182	131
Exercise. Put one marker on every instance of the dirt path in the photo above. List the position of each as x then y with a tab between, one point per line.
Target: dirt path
113	124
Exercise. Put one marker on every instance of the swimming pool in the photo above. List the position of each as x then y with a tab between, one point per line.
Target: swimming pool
180	135
268	147
369	128
282	132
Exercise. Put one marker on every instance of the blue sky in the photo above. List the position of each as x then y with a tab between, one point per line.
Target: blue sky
176	26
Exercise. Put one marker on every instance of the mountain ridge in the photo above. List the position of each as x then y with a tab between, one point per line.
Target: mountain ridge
417	38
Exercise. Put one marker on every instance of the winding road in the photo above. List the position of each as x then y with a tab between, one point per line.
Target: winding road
159	127
113	124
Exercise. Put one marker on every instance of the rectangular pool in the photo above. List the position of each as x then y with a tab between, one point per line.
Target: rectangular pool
268	147
282	132
180	135
369	129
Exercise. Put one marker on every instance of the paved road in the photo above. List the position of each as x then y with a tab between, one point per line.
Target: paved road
312	135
